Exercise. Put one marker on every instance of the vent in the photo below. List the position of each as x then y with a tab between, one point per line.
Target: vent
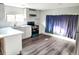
32	9
33	15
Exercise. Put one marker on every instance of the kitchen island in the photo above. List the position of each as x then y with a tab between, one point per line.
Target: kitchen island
11	42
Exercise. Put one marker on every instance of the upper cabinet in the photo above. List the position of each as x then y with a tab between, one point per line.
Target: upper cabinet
2	12
3	22
32	13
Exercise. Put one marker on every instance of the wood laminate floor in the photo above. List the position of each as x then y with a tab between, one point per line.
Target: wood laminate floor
47	45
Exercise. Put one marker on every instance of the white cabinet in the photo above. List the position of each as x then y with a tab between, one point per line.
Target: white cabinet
2	12
11	42
12	45
27	31
77	43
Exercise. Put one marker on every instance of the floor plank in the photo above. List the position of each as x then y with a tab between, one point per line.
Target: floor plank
47	45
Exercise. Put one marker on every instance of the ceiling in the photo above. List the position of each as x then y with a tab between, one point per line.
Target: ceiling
43	6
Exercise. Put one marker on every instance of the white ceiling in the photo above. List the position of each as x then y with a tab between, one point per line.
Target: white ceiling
44	6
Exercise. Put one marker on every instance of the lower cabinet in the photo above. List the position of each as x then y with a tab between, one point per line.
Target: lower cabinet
11	45
27	31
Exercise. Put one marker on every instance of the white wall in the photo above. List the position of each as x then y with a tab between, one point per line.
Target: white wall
13	10
8	10
60	11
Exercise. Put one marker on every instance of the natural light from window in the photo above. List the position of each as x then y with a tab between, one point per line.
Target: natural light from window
59	30
17	19
10	18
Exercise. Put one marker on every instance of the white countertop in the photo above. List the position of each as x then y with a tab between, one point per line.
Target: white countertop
22	26
8	31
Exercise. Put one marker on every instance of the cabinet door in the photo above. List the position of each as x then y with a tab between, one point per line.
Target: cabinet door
77	43
13	44
28	32
2	12
2	45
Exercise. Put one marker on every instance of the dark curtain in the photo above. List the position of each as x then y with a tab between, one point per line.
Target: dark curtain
65	25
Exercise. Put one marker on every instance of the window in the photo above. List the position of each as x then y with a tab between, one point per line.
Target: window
11	18
56	29
19	18
64	25
16	19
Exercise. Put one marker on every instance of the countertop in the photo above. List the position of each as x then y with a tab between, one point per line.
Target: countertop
22	26
8	31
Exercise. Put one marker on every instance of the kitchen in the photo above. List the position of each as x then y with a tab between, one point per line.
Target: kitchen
13	25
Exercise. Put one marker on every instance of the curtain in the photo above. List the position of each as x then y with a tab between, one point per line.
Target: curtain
64	25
